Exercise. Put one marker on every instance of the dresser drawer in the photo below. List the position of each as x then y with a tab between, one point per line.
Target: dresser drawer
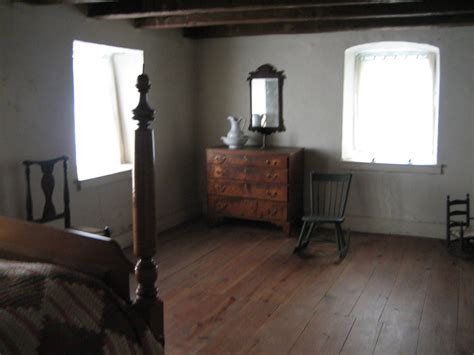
274	192
242	159
256	184
227	206
251	174
247	208
268	210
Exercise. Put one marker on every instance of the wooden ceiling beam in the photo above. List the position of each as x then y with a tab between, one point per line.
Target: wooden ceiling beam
74	2
374	12
129	9
326	26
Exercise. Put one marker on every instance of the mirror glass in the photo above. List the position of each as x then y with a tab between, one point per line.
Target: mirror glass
266	100
265	105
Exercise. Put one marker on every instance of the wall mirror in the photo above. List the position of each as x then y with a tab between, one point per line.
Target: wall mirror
266	101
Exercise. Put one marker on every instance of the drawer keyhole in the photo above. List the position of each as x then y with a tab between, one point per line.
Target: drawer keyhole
221	206
221	188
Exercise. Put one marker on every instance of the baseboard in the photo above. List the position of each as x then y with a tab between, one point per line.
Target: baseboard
124	239
164	222
172	219
393	226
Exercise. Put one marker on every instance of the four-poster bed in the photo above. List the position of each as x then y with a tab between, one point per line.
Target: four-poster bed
50	256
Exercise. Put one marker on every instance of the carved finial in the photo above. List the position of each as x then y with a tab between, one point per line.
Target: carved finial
143	113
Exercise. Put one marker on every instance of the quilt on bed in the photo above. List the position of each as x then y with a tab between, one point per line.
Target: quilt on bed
46	309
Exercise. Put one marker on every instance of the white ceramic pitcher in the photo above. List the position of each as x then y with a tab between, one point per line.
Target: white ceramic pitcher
235	137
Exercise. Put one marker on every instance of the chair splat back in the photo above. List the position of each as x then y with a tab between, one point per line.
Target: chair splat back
47	186
329	193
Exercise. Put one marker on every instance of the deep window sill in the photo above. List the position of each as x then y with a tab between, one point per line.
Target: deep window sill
121	173
389	168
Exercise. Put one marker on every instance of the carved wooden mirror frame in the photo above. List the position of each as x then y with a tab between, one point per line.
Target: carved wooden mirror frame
267	71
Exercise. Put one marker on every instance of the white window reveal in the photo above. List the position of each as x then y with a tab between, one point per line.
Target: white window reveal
104	97
390	111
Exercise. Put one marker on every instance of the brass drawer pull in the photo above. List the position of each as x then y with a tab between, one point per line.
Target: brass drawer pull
271	176
271	162
219	159
272	193
272	212
218	172
245	158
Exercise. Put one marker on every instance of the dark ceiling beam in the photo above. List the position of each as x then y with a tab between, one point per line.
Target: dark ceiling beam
131	9
74	2
325	26
375	12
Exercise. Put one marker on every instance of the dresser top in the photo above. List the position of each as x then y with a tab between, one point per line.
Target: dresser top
257	150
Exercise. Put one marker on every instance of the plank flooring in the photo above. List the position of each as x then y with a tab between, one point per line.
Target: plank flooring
239	289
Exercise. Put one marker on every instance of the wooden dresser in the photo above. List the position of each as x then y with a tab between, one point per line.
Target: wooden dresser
251	183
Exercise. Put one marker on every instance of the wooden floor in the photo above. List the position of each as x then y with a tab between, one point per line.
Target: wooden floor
239	289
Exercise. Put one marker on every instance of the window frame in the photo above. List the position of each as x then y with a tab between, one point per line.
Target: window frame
349	155
123	124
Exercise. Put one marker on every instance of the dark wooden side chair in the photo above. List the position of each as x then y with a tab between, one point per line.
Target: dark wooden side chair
329	193
459	231
47	186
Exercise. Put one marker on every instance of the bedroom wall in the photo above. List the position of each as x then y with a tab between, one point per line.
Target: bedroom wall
37	121
380	201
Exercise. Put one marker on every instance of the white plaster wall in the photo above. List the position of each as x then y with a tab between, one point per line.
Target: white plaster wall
37	121
399	203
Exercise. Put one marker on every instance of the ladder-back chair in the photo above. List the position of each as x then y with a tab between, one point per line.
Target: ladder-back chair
328	200
49	213
458	225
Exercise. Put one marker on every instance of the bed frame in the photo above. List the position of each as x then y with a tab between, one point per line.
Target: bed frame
101	256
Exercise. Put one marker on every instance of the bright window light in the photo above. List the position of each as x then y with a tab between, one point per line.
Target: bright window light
391	103
104	97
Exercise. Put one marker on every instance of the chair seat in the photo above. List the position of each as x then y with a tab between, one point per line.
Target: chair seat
323	219
468	232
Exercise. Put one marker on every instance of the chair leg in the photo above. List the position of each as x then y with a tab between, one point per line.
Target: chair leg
304	237
307	239
300	239
338	237
342	242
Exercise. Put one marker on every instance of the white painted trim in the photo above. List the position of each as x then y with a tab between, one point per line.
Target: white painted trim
174	218
388	168
164	222
397	227
124	172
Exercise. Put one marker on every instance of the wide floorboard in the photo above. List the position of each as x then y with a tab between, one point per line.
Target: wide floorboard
238	288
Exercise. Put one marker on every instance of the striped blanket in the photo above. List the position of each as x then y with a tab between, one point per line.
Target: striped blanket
46	309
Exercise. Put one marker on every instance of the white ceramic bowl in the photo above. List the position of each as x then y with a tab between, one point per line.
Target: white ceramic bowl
235	143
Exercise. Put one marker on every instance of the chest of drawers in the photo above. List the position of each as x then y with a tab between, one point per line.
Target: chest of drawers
251	183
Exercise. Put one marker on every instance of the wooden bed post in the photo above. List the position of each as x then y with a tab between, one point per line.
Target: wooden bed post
147	302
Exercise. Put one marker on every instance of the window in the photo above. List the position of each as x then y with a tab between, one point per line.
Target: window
391	103
104	97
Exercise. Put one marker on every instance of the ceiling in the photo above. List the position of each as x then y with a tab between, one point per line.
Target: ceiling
226	18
